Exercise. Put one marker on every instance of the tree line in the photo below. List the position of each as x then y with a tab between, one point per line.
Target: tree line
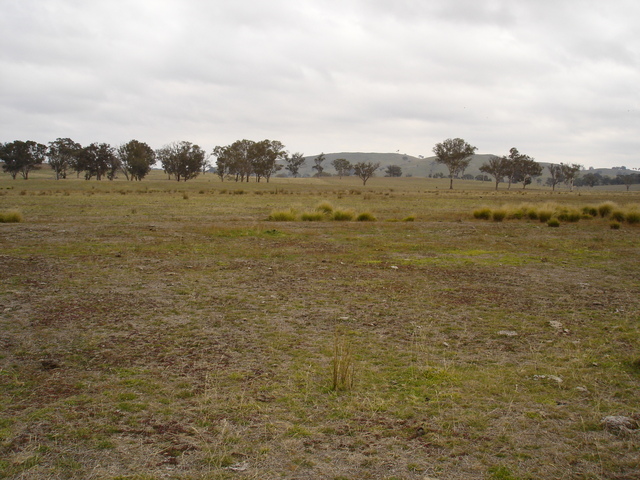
100	160
244	159
516	167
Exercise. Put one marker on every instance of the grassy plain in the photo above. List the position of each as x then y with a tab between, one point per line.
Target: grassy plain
169	330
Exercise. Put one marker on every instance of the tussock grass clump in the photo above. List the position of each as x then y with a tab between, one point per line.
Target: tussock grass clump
618	215
325	207
605	209
633	217
614	225
499	215
410	218
343	215
566	215
185	195
11	216
366	217
553	223
591	211
283	215
312	216
343	364
544	215
482	213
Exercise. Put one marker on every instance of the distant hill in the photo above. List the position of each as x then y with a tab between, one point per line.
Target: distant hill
423	167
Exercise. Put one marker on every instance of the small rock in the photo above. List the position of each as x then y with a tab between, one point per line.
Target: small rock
394	267
507	333
619	424
556	325
555	378
239	467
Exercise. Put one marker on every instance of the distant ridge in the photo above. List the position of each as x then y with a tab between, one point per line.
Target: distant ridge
422	167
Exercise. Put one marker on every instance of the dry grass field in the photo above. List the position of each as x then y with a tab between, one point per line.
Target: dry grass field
164	330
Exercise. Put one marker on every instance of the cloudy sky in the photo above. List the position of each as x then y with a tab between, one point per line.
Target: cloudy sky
558	79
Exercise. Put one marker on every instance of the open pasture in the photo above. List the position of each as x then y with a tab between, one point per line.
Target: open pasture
169	330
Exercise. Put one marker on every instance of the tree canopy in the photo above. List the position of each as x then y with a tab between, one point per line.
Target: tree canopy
342	166
182	160
136	159
455	154
22	157
365	170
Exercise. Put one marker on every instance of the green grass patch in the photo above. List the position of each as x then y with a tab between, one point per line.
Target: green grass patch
11	216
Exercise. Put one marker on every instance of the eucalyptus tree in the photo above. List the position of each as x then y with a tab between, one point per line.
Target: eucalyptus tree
455	154
22	157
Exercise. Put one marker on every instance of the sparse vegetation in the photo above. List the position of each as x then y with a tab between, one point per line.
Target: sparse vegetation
340	215
366	217
287	215
11	216
140	338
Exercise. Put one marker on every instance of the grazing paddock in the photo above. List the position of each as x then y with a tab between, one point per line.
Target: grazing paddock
159	329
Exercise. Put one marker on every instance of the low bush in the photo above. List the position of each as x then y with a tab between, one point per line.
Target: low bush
282	216
569	215
312	216
553	222
482	213
325	207
544	215
499	215
592	211
366	217
11	216
410	218
615	225
618	215
343	215
632	217
605	209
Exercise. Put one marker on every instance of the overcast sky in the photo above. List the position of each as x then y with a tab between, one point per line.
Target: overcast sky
558	79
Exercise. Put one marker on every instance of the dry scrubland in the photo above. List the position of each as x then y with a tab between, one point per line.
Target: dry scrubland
164	330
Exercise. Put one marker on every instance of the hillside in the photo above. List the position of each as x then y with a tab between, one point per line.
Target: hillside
423	167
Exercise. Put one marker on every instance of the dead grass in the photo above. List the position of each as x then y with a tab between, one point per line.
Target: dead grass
140	339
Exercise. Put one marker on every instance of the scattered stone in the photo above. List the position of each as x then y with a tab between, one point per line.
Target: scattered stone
239	467
394	267
507	333
619	424
555	378
555	324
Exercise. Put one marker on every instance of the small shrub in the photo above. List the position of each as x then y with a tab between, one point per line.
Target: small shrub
366	217
11	216
592	211
544	215
410	218
618	215
312	216
569	216
482	213
518	214
185	195
343	215
282	216
614	225
325	207
553	222
499	215
605	209
532	214
633	217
